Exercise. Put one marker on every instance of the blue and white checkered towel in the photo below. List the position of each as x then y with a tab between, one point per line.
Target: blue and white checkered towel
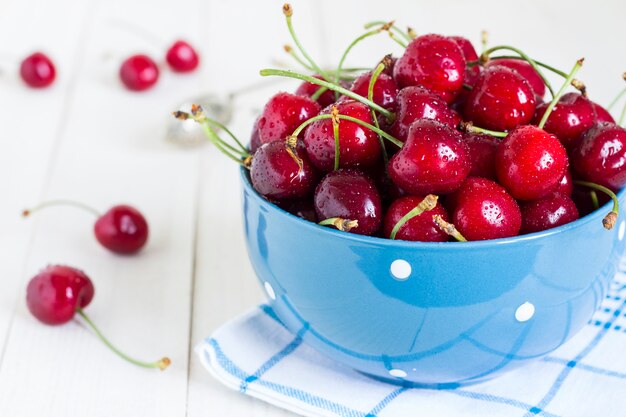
586	377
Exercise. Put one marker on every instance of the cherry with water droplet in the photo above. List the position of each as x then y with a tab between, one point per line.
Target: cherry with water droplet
548	212
482	154
384	92
525	70
308	89
420	228
282	114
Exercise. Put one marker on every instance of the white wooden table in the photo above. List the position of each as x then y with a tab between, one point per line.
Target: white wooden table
88	139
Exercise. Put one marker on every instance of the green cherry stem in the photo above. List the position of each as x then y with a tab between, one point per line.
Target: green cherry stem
288	12
611	218
370	96
622	116
352	45
296	58
318	93
484	40
558	95
392	27
161	363
345	225
291	74
469	127
428	203
61	202
539	63
335	119
594	199
619	96
485	56
448	228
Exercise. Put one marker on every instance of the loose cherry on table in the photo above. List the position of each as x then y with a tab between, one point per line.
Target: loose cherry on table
139	72
59	292
122	229
182	57
37	70
546	213
349	200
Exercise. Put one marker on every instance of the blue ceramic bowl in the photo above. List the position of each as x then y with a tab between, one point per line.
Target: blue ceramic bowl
430	314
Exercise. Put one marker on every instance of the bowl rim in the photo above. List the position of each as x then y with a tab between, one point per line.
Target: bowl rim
595	216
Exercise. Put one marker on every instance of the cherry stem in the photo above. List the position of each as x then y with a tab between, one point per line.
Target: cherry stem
428	203
448	228
594	199
61	202
469	127
370	96
393	27
618	97
345	225
484	40
485	56
611	218
288	12
161	363
396	40
291	74
622	116
335	119
351	119
556	98
318	93
295	56
539	63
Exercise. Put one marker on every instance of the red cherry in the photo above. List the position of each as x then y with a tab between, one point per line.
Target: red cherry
307	89
181	57
472	73
572	116
255	139
280	172
549	212
415	103
435	62
282	114
433	160
566	186
525	70
482	154
530	163
602	114
358	145
600	156
139	72
305	209
37	70
54	294
420	228
484	210
385	89
349	194
501	100
122	229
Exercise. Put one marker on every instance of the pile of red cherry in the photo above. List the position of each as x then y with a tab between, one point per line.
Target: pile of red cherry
439	142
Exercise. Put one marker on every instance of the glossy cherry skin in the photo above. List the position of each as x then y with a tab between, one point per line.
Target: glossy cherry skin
482	154
307	89
600	156
304	208
472	72
572	116
525	70
37	70
359	147
566	185
546	213
602	114
415	103
139	73
349	194
122	229
434	160
182	57
282	173
54	294
435	62
484	210
420	228
385	89
255	139
282	114
530	163
500	100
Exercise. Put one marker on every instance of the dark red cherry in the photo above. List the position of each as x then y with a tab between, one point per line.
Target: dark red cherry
420	228
435	62
530	163
280	172
600	156
37	70
181	57
472	72
358	145
415	103
582	197
305	209
255	140
433	160
139	73
525	70
307	89
546	213
385	89
501	100
122	229
349	194
572	116
602	114
484	210
282	114
566	186
482	154
390	63
54	294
